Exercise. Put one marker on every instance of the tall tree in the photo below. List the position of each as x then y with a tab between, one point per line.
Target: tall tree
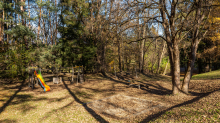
170	20
39	24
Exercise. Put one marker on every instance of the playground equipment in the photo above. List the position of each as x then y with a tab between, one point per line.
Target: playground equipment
57	78
32	71
77	69
41	80
80	77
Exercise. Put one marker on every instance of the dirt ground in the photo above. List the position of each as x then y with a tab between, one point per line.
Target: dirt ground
92	93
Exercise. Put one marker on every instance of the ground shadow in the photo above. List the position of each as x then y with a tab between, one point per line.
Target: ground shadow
91	111
12	97
8	121
157	115
158	91
156	76
54	111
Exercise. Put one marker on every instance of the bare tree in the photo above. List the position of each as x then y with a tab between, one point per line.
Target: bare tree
39	27
202	10
170	20
161	56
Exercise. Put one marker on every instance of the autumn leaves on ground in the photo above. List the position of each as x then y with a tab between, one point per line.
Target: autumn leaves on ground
75	103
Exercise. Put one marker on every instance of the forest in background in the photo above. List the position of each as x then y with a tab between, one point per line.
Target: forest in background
158	36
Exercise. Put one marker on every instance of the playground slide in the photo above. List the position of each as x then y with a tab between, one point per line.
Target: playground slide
41	80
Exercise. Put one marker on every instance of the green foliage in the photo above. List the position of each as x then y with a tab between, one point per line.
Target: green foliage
75	46
20	33
163	65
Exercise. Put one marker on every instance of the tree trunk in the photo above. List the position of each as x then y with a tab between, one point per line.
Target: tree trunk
142	50
210	63
1	32
161	56
44	33
23	23
194	46
103	70
29	15
165	70
51	40
38	33
175	68
190	65
119	55
56	23
123	61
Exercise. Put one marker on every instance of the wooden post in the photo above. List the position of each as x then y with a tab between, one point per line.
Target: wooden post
83	74
132	70
30	78
72	74
32	82
110	68
136	71
78	76
36	82
56	72
115	71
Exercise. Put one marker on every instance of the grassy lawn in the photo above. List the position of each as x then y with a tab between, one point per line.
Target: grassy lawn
68	102
209	75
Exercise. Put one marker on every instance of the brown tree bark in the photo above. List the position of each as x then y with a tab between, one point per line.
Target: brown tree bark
23	23
188	74
29	14
39	28
44	31
104	43
142	48
165	70
1	31
55	24
161	56
118	38
172	44
196	38
51	31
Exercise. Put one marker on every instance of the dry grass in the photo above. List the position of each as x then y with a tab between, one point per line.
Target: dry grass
81	103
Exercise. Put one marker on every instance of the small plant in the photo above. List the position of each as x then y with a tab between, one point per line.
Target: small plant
210	111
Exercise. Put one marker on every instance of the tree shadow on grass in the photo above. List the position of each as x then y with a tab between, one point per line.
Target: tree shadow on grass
158	91
12	97
8	121
21	99
157	115
54	111
91	111
156	77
